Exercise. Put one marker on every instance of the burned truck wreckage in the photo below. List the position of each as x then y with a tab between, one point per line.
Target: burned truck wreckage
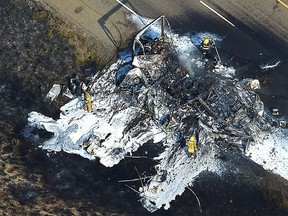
148	95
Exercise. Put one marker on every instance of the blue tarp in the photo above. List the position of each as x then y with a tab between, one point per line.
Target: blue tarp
120	75
149	34
164	118
137	87
196	40
244	143
127	54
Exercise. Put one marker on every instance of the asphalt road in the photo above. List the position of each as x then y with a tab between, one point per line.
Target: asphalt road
258	24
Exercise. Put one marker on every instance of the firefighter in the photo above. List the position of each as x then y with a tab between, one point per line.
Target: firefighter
191	146
206	46
88	102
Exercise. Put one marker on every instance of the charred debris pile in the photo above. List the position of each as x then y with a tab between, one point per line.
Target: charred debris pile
148	95
219	110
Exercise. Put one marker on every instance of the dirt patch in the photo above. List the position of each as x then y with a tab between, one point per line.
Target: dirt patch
37	50
84	45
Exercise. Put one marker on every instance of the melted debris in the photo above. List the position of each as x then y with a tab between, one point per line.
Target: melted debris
159	100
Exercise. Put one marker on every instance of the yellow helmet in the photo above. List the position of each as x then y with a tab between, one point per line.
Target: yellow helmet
206	41
192	138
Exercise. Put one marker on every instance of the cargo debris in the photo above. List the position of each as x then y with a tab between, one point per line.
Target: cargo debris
148	95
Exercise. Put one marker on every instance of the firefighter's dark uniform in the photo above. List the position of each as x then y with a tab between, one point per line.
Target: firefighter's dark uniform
206	46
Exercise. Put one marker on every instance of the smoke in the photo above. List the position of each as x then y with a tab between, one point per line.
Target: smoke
189	56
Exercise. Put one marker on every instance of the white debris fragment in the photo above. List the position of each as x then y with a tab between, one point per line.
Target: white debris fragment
224	71
253	85
53	93
268	66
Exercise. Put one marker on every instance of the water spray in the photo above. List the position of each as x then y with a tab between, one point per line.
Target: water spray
130	10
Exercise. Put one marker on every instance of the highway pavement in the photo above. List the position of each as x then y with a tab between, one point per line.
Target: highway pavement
260	23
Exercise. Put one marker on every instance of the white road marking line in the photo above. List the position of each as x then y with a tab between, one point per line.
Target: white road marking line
217	13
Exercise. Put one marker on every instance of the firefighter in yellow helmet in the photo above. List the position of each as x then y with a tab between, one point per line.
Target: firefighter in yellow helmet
206	45
191	146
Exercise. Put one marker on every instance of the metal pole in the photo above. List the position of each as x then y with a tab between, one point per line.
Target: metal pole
162	27
127	7
218	54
